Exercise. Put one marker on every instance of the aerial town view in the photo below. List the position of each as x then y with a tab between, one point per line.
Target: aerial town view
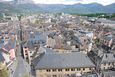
57	38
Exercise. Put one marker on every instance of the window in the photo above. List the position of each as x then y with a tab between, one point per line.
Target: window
104	68
59	75
59	70
48	70
40	70
104	64
30	52
83	69
110	67
54	75
54	70
31	56
72	69
40	75
48	75
89	68
113	63
108	63
78	69
25	50
66	69
67	74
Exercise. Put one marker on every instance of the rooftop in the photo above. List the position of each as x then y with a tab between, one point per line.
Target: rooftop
63	60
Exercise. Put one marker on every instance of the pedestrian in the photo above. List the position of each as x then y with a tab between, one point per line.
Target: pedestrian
29	73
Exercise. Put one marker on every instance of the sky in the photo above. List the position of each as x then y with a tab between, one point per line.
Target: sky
103	2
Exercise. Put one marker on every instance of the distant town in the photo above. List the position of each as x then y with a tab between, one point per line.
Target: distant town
57	45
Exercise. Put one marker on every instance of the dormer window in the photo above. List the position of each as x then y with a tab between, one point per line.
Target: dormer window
25	47
35	43
84	40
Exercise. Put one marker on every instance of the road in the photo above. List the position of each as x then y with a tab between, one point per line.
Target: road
21	67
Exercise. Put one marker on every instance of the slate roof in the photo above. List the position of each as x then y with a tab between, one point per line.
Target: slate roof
48	32
76	39
106	21
10	46
62	46
1	42
51	42
108	38
13	31
108	57
35	39
105	47
46	50
1	58
62	60
2	51
31	47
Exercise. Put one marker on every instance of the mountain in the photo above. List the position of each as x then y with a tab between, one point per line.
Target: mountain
88	5
28	6
52	7
8	8
89	8
32	7
111	5
16	2
79	8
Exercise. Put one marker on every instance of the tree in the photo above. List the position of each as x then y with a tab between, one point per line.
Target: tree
26	76
28	20
38	21
19	17
3	70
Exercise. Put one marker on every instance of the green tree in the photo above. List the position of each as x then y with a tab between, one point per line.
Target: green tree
96	40
28	20
19	17
38	21
26	76
3	70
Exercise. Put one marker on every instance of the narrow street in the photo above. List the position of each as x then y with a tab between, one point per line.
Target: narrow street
21	68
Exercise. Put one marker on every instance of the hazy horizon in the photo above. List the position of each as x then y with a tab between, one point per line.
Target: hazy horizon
71	2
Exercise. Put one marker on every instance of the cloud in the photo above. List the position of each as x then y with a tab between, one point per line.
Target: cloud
74	0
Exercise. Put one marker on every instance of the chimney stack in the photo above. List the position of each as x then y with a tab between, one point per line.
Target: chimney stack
8	46
106	37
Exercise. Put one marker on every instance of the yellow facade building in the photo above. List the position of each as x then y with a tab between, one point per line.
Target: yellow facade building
62	64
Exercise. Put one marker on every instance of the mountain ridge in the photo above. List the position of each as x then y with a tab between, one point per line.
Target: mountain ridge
56	8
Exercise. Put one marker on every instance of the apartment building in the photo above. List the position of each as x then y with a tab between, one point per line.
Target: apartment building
108	61
62	64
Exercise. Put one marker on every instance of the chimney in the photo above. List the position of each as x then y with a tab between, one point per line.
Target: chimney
8	46
10	42
106	37
28	44
41	40
11	39
2	47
